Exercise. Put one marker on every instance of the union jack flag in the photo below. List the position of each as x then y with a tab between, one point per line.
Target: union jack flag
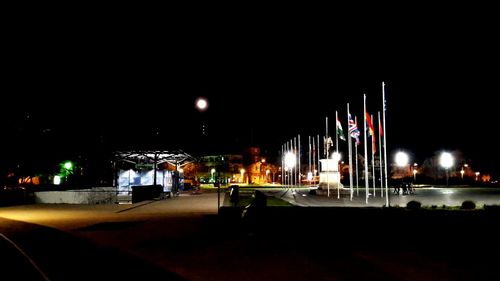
353	129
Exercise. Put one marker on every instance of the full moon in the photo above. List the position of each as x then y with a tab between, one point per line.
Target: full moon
201	104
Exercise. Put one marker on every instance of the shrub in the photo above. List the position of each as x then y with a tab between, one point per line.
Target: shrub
468	205
434	206
492	207
413	205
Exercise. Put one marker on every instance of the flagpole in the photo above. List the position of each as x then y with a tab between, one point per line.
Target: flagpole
337	149
356	159
309	155
295	167
385	148
349	143
283	172
380	156
366	150
327	147
298	155
313	157
326	139
357	172
287	150
373	160
283	167
336	132
319	148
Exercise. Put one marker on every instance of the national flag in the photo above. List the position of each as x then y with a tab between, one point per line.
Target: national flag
328	142
353	129
374	145
369	124
371	130
340	131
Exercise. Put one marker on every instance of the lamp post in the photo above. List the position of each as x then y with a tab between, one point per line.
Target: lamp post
477	176
446	161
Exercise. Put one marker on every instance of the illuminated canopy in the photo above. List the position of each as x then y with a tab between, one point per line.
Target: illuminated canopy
177	157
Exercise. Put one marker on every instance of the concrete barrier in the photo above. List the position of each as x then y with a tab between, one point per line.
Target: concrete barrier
95	195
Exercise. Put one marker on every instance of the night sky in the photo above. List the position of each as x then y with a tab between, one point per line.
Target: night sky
85	89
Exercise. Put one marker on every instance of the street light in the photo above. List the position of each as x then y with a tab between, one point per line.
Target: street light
477	176
401	159
462	173
290	160
446	161
68	165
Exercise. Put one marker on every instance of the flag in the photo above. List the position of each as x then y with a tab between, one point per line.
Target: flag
369	124
340	132
328	142
374	145
380	129
353	129
371	130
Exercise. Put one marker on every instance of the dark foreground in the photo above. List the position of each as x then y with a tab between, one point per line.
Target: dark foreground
184	239
374	243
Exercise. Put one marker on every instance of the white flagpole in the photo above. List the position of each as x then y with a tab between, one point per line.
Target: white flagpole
326	139
366	152
349	143
356	159
309	154
283	167
313	156
380	158
295	167
327	155
373	161
289	171
287	179
357	172
336	132
319	148
385	148
298	156
337	149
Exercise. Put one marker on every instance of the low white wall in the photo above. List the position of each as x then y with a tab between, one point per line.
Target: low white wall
95	195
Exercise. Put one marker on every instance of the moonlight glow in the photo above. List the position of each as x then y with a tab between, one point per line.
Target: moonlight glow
201	104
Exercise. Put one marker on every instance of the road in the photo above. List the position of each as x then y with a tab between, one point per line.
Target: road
428	196
183	239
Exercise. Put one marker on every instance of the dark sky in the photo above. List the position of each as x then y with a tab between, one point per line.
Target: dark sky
134	85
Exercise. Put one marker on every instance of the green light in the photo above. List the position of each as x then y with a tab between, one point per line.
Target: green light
68	165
